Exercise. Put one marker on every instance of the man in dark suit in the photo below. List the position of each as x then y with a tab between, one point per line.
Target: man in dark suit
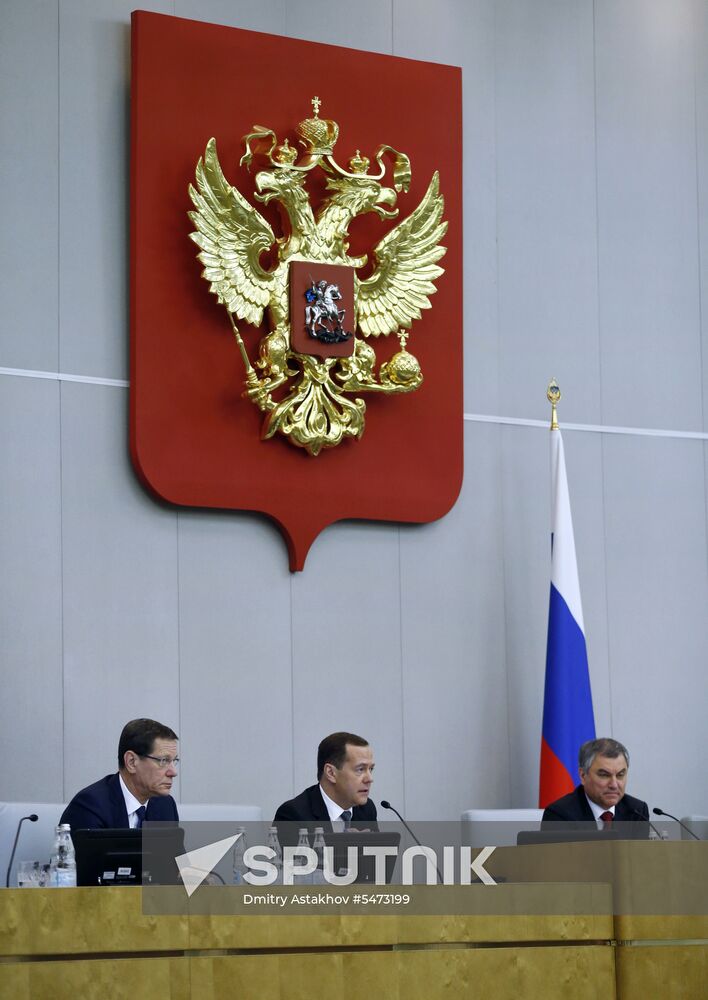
345	772
147	765
600	797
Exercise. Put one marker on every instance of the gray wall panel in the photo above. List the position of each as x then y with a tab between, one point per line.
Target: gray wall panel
657	594
461	33
481	360
525	507
94	161
454	663
436	33
346	650
28	185
30	590
701	64
234	649
648	249
120	587
363	25
546	207
252	15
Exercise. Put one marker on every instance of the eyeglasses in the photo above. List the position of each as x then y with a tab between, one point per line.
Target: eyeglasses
162	762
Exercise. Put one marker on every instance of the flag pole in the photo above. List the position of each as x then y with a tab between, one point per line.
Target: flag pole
568	717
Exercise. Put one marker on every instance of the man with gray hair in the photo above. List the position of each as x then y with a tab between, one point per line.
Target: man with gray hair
600	797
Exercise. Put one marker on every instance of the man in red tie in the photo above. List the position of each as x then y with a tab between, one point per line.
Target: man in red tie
600	797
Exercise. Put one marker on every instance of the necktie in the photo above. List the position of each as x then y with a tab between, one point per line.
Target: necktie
140	813
607	818
347	817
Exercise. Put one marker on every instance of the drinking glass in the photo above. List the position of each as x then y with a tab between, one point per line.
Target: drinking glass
32	875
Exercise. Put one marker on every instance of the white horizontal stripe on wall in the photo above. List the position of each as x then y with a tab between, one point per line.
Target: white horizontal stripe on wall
64	377
482	418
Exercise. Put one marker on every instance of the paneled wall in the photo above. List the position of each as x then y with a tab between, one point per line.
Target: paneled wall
586	236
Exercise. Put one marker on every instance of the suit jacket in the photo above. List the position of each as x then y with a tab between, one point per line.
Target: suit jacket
575	808
309	809
102	805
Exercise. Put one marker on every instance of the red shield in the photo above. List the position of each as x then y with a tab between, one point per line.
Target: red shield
195	440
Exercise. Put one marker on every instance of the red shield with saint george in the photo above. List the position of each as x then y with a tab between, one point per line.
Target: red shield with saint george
322	309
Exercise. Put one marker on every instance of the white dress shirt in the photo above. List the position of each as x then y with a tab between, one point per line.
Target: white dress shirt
131	804
597	812
335	812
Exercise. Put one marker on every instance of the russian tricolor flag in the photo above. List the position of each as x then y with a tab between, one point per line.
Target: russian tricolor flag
568	719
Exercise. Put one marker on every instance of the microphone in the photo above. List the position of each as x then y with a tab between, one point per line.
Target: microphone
660	812
33	817
645	819
387	805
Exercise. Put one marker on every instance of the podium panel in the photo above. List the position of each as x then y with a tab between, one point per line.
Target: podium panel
98	943
446	972
627	939
112	979
672	972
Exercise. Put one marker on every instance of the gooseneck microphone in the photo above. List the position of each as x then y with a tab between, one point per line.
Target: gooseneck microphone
645	819
33	817
660	812
387	805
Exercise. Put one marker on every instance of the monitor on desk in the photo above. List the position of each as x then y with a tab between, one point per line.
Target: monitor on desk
577	833
121	857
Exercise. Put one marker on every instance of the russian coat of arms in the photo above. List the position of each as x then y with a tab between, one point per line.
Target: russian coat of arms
317	357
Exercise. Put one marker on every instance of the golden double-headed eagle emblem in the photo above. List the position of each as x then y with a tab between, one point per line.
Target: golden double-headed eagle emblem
317	356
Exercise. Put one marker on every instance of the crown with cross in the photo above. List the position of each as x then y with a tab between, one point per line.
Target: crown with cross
320	134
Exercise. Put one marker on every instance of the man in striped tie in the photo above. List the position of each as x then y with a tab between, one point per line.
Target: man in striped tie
340	799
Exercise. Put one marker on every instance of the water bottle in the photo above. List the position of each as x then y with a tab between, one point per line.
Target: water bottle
62	867
277	861
318	846
240	867
303	841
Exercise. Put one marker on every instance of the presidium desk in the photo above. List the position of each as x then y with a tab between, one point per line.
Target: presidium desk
639	935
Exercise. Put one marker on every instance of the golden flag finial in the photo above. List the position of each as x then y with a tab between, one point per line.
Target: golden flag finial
553	395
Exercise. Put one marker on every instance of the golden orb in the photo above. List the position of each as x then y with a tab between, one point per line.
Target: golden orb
403	368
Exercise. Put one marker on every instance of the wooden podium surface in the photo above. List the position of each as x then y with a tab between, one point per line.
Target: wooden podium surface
69	943
66	944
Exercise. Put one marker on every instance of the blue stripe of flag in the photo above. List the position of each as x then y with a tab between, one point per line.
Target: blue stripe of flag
568	719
